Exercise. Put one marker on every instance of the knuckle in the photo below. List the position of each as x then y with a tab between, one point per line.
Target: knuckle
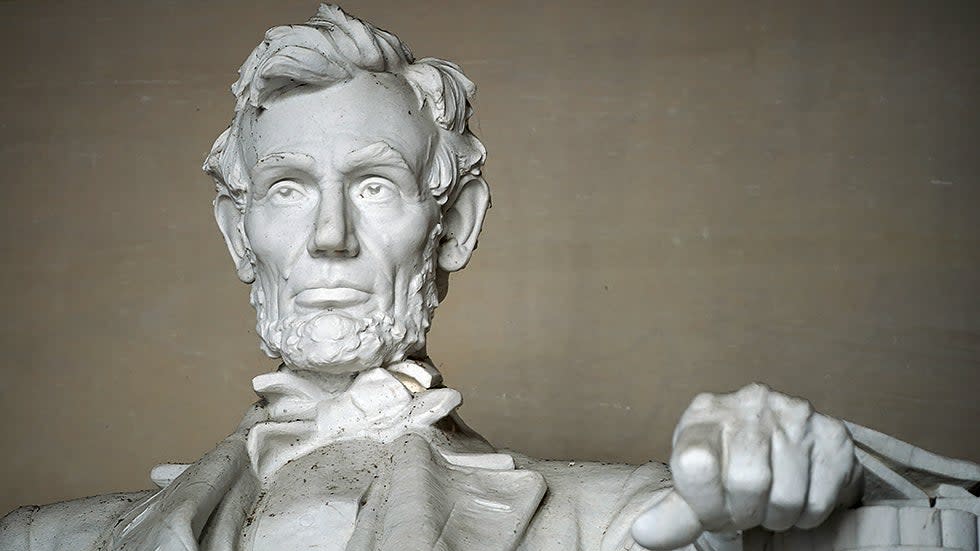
800	403
780	402
837	432
755	391
786	500
749	479
798	407
793	414
799	416
789	492
702	401
701	411
751	401
819	505
822	427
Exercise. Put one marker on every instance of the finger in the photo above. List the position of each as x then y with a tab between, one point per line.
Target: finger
702	406
755	393
854	485
669	524
747	477
790	482
696	469
793	414
830	466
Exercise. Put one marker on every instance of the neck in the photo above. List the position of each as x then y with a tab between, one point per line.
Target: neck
333	383
417	371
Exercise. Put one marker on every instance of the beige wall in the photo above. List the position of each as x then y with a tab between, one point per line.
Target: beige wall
688	196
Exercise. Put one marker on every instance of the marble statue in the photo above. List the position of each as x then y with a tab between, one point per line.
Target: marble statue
349	187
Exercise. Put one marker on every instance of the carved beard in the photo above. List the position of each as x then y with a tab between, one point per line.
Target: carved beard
337	342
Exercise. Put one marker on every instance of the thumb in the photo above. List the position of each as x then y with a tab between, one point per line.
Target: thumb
670	523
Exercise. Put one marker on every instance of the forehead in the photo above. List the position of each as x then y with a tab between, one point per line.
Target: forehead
329	123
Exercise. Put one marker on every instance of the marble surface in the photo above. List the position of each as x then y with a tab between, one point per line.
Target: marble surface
349	187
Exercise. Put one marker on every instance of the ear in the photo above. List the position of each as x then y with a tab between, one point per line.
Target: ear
229	220
462	223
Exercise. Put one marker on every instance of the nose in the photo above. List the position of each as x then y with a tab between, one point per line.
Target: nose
332	233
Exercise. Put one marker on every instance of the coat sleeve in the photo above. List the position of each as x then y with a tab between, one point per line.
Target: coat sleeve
589	506
15	529
67	526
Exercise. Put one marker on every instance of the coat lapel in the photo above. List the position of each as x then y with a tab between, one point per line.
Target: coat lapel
424	501
430	503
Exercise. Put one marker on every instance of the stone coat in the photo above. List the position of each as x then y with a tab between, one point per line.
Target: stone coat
442	487
422	501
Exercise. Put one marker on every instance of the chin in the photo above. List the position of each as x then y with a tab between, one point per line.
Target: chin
360	352
335	342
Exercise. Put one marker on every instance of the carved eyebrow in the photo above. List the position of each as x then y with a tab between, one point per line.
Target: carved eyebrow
284	159
378	153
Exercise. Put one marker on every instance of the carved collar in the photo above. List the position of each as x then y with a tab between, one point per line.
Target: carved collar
380	405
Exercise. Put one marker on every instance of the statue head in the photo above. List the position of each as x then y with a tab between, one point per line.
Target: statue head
348	187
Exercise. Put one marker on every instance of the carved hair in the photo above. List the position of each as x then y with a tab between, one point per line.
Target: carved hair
327	50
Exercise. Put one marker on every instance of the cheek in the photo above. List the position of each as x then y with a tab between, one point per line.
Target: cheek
275	234
402	238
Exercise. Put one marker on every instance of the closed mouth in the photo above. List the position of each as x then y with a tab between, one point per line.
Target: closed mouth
329	297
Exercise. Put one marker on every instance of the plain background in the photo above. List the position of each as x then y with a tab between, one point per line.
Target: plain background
688	196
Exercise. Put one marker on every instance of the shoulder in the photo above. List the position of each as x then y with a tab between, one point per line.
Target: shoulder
69	525
605	475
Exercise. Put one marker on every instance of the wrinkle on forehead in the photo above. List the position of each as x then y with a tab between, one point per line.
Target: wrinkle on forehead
377	153
374	117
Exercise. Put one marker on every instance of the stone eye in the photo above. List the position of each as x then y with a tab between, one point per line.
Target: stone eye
375	189
286	192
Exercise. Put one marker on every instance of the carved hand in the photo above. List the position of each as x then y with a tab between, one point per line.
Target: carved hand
751	458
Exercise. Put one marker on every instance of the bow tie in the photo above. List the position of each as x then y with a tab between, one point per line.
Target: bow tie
304	416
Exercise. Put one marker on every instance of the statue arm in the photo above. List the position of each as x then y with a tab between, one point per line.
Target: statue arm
581	498
590	506
15	529
67	526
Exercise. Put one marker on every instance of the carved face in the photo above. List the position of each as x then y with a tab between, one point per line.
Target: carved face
344	235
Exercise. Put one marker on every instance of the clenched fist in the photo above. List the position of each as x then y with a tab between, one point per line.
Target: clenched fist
751	458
